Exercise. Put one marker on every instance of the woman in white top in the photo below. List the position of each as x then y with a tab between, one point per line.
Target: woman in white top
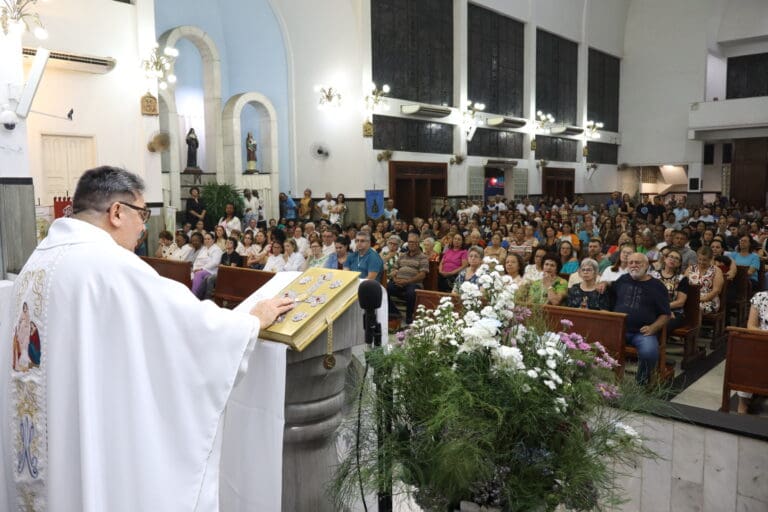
611	274
294	260
275	261
338	210
534	270
206	264
229	221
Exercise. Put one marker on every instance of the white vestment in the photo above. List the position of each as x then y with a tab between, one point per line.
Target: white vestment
128	375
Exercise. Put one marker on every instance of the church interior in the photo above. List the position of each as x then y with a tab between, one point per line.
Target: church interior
429	103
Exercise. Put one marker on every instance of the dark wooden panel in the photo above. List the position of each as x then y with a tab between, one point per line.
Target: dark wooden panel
709	154
747	76
399	134
495	61
602	153
748	171
412	48
556	148
603	89
556	74
496	143
411	182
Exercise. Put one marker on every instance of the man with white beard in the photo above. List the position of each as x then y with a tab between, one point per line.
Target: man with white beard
646	303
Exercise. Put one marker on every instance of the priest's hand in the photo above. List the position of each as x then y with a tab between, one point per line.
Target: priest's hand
268	310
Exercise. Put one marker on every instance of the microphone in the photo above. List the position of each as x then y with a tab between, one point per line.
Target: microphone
369	295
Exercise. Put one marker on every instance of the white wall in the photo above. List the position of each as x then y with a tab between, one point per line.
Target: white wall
106	106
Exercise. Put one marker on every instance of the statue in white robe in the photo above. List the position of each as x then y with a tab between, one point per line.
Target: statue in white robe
122	411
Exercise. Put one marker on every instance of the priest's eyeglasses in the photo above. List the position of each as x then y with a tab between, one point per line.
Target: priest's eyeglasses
143	212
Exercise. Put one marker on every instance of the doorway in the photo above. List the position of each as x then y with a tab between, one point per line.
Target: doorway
558	183
415	185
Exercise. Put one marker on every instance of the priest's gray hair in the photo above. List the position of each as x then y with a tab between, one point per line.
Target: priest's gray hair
98	188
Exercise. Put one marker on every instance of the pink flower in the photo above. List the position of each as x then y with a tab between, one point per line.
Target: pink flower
566	323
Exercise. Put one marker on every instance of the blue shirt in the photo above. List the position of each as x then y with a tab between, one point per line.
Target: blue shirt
290	208
370	262
333	262
750	260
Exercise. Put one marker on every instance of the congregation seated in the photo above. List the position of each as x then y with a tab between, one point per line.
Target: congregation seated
469	273
513	267
746	256
550	289
166	245
364	259
495	250
338	260
317	258
185	250
230	257
709	276
206	264
569	262
275	260
453	261
408	276
611	274
294	260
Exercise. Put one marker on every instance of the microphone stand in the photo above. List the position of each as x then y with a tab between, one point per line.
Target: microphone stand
384	400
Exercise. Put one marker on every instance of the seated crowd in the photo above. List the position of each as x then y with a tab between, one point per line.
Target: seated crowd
618	256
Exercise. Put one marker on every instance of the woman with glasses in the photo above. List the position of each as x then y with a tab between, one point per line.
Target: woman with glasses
316	257
676	285
588	294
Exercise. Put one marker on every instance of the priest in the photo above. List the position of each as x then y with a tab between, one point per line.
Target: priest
113	380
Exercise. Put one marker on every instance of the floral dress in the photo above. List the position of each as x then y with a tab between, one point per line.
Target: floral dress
760	302
707	281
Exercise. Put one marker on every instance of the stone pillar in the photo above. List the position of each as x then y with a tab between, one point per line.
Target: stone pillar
18	235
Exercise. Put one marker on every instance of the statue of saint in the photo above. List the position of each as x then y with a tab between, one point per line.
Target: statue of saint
250	148
192	144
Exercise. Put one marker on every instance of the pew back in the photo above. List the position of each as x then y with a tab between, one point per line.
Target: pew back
180	271
235	284
431	299
746	361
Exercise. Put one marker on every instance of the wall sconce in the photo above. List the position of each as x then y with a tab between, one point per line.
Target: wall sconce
385	155
17	16
591	168
544	121
329	97
159	64
540	164
469	118
592	128
457	159
372	101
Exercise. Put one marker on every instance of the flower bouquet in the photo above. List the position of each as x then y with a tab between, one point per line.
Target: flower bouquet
487	406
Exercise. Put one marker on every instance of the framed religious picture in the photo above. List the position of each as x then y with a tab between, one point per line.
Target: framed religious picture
149	105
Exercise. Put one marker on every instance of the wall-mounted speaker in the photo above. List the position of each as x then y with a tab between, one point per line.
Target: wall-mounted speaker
693	184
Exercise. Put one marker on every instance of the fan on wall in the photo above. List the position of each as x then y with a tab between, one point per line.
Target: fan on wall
319	151
159	142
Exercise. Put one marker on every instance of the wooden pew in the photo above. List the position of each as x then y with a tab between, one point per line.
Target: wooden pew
746	360
604	326
431	299
739	295
430	282
689	331
235	284
717	318
180	271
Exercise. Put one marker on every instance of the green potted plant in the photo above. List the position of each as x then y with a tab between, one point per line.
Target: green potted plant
487	407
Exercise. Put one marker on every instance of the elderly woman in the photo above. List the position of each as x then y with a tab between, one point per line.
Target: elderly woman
390	254
428	246
550	289
469	274
206	264
453	261
513	267
709	276
495	250
294	260
588	294
166	247
317	258
676	285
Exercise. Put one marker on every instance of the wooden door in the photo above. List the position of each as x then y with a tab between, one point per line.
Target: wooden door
558	183
415	185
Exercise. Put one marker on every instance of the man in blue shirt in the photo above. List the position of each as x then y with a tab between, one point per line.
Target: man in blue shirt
364	259
646	303
287	207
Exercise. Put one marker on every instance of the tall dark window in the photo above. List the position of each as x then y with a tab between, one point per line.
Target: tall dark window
496	143
556	68
556	148
495	61
399	134
412	44
747	76
602	153
603	89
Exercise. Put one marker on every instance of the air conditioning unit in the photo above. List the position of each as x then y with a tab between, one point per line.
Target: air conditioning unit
425	110
506	122
76	62
564	129
500	163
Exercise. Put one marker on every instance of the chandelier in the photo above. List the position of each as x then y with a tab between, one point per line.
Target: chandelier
159	64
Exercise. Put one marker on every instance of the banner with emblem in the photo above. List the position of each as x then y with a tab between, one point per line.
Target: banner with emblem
374	203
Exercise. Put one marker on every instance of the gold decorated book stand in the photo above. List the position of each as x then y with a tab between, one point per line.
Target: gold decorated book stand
321	295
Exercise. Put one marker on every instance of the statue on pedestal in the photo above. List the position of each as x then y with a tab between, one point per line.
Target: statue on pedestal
192	144
250	148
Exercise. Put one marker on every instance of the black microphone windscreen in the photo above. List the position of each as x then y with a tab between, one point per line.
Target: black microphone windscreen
369	294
